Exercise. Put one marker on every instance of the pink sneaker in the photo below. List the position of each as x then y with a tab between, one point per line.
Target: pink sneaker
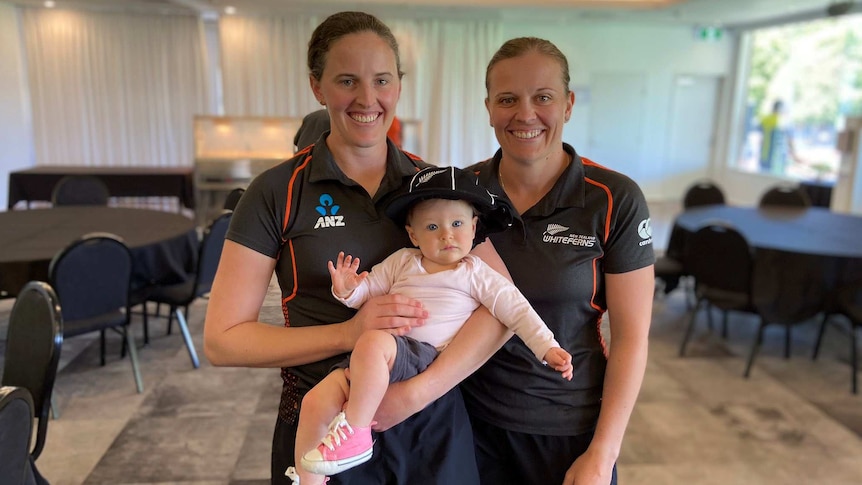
341	449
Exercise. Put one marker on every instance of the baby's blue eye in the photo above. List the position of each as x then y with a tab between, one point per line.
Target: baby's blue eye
432	227
457	224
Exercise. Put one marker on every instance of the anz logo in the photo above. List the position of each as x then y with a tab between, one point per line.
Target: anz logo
328	213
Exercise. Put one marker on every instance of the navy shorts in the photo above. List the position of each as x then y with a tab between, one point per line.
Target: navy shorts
505	456
411	358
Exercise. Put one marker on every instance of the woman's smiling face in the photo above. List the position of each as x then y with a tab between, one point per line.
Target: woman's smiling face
360	87
528	104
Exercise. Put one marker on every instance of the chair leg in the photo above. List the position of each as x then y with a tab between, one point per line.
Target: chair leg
55	409
819	337
755	348
787	340
146	320
853	362
690	328
133	356
689	292
102	347
724	324
193	355
171	311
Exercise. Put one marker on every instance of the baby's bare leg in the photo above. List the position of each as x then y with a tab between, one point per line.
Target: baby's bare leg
319	406
370	366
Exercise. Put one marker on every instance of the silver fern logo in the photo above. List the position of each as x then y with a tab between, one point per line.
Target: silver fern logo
427	176
555	229
554	235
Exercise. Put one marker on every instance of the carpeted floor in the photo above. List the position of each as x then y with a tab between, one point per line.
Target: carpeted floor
697	421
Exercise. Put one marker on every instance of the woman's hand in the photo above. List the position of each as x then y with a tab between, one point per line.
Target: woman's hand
398	405
590	469
396	314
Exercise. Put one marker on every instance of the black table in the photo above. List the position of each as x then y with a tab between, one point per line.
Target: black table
163	244
802	255
36	184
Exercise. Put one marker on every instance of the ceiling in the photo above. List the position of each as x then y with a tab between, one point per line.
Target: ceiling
728	13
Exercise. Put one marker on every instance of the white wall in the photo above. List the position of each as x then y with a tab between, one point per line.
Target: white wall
657	52
660	53
16	140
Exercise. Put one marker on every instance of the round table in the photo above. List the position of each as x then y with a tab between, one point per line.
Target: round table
163	244
801	255
814	230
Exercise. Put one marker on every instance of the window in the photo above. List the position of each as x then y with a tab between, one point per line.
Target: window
804	80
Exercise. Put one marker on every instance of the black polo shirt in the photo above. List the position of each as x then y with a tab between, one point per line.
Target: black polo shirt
593	221
303	212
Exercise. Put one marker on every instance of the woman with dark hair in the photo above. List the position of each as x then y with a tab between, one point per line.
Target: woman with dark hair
297	216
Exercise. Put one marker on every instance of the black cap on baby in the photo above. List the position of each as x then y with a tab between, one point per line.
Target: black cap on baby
495	212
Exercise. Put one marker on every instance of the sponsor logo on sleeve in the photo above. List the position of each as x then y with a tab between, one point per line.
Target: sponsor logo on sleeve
645	232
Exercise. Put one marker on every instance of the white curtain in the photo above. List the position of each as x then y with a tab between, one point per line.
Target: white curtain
264	71
114	89
263	63
444	86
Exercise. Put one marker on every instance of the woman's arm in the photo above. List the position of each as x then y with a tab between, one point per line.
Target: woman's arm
233	336
473	345
629	299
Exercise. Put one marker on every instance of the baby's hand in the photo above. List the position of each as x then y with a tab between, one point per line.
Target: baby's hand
343	273
561	361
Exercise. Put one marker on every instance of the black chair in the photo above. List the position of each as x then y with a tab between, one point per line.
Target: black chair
233	198
848	302
704	192
92	277
669	271
16	426
33	343
80	190
785	196
669	267
722	264
197	284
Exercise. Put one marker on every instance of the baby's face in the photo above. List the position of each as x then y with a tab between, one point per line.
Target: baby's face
443	229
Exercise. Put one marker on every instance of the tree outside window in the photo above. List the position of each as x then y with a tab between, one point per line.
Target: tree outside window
804	80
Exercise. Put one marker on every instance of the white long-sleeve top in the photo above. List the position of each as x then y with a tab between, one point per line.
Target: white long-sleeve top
451	297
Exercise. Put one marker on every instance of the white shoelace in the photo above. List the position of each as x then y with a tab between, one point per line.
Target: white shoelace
337	432
292	475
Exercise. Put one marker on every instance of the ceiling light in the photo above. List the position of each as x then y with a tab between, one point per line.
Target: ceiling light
230	10
49	3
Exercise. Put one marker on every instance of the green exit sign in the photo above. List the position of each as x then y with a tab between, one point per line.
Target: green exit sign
709	33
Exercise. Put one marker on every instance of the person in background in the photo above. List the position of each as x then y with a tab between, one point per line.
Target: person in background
297	216
316	123
579	250
777	141
441	211
313	125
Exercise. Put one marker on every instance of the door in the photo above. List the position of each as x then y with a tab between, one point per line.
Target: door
691	139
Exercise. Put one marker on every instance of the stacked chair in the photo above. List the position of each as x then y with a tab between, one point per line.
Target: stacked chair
33	343
179	296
